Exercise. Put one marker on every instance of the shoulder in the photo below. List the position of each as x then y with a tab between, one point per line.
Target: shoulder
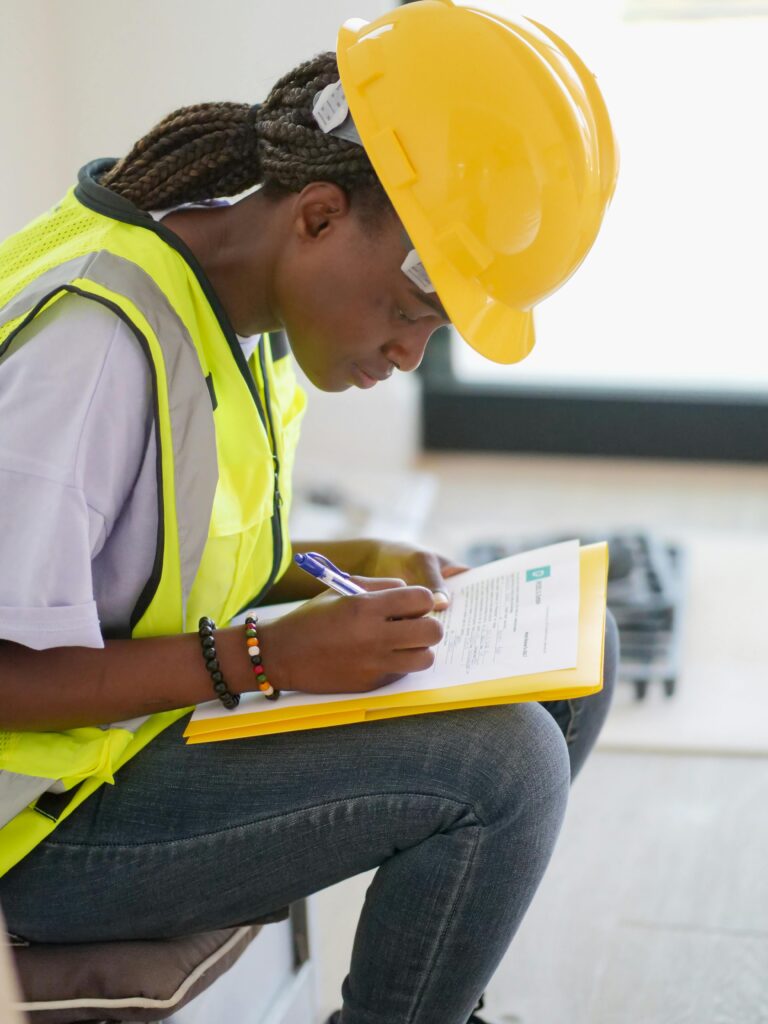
76	368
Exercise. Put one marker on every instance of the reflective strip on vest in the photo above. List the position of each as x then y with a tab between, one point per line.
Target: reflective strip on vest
194	436
19	791
194	455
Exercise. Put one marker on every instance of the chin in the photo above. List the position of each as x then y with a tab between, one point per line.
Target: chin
326	382
333	386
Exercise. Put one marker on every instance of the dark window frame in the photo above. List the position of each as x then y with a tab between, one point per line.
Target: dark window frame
644	423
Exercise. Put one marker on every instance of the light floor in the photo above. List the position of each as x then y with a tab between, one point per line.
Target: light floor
654	909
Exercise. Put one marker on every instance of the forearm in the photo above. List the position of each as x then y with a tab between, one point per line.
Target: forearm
67	687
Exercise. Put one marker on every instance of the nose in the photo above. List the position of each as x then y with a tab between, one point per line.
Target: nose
407	350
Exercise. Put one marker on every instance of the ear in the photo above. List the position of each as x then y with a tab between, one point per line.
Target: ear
320	207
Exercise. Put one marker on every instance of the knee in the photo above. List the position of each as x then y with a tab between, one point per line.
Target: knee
519	762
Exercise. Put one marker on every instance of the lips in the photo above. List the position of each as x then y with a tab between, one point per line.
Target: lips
366	379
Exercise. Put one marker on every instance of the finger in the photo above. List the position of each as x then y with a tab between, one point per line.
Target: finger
426	571
454	570
406	634
405	602
432	570
416	660
447	568
378	582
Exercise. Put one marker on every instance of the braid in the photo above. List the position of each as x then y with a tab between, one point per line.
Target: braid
221	149
197	152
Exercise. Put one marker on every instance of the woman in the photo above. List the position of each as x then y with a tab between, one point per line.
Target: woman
149	427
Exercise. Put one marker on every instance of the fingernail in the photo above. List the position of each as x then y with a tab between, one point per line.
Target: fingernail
440	597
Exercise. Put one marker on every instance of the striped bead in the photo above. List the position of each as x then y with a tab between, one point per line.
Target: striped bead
254	652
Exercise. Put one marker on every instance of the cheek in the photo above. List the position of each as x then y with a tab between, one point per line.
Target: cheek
324	341
337	322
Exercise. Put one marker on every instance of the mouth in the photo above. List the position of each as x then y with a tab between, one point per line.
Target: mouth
363	379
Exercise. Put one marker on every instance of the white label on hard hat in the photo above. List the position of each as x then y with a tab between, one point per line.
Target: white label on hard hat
331	111
414	270
330	107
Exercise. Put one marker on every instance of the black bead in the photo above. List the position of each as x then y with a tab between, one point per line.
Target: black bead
220	687
208	641
217	677
212	665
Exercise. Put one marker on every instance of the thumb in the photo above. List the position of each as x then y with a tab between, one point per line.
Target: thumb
431	576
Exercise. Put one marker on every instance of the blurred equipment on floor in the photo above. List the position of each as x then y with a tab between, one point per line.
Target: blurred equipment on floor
645	594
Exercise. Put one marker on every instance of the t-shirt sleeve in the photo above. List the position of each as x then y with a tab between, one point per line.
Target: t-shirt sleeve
74	389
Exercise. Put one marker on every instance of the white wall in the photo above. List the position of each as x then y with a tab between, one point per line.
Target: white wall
85	79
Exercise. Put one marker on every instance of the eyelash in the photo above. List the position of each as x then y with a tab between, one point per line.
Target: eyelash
403	316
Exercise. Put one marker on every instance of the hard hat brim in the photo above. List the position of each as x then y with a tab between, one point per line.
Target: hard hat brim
492	328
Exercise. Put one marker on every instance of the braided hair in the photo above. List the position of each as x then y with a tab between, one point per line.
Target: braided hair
211	150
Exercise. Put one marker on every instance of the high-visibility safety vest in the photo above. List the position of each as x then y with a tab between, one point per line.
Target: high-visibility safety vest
226	433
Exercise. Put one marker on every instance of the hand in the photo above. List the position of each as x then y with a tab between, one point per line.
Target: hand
337	644
414	566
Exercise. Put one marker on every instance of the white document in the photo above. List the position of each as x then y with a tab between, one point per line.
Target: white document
513	617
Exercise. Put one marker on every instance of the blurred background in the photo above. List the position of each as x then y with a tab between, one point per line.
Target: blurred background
640	417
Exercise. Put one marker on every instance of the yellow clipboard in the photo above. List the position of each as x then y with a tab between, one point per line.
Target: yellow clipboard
585	678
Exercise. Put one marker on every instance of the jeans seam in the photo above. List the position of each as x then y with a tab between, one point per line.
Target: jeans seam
51	842
571	731
444	930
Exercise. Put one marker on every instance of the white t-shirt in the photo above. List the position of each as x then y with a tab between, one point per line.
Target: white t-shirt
78	486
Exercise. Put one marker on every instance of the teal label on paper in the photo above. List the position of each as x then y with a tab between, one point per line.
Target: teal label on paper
538	574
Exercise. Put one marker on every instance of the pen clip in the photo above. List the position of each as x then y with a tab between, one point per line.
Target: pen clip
322	560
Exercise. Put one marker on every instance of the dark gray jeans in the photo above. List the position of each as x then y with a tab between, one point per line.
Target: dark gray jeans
459	810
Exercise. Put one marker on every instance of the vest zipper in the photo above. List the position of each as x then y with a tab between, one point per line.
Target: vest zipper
277	499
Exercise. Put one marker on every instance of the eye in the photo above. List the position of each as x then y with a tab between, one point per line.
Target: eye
404	316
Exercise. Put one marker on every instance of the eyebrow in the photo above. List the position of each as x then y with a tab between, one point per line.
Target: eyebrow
430	300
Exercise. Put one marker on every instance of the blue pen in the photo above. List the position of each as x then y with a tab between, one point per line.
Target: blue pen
326	572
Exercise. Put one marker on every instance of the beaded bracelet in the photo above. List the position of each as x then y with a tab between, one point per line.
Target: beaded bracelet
206	628
254	652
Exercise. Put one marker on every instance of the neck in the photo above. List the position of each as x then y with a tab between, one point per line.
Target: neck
235	246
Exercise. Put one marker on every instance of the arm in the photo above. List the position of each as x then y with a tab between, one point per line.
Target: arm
66	687
331	644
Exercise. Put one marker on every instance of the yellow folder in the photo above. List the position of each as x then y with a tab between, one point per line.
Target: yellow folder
585	678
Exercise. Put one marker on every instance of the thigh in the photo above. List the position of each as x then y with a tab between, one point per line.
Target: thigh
210	835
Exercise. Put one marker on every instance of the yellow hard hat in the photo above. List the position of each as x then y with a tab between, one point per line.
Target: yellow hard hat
493	142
